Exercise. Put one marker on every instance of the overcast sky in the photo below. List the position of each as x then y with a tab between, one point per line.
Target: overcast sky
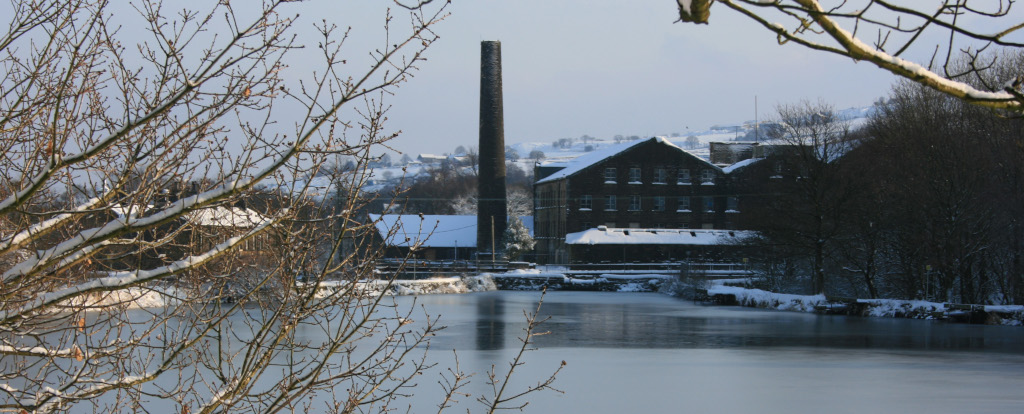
606	67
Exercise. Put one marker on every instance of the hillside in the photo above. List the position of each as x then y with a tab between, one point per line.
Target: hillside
384	178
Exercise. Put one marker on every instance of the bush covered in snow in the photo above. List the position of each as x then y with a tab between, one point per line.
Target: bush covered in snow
517	239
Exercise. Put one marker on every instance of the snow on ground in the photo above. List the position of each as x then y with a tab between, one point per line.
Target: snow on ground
156	297
763	299
890	308
441	285
133	298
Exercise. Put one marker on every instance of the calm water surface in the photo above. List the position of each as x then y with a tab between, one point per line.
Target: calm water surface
644	352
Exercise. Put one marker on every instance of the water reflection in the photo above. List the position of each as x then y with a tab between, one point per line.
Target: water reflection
490	323
653	321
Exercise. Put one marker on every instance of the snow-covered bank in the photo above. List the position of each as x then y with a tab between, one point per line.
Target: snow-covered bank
757	298
532	279
132	298
442	285
157	297
915	309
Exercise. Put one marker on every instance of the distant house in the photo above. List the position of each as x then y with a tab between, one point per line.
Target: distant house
644	184
213	225
457	159
193	233
431	158
430	237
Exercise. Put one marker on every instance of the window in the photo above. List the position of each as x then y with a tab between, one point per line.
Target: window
659	203
586	202
585	225
709	204
609	175
660	176
634	203
777	169
732	205
684	177
707	177
684	204
609	203
634	225
634	175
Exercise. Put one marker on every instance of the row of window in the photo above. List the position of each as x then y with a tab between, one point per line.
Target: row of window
707	176
636	225
635	204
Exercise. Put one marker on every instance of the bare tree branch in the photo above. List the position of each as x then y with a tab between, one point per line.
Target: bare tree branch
837	29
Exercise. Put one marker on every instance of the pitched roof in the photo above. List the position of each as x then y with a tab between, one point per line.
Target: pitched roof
219	216
687	237
431	230
215	216
739	165
586	160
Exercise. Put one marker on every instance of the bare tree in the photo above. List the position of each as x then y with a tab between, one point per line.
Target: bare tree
121	148
805	203
886	32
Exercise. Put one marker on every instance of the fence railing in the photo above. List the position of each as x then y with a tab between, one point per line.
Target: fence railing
427	268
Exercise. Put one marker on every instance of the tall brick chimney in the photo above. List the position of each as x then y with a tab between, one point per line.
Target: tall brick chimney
491	209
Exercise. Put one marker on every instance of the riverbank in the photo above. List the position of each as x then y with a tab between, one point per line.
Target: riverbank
888	308
604	282
717	292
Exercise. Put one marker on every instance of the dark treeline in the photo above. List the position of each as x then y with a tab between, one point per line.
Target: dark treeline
451	188
924	202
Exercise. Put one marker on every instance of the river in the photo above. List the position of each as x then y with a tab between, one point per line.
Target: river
652	353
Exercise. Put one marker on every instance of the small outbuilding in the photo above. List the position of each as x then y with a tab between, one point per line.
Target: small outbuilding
619	245
431	237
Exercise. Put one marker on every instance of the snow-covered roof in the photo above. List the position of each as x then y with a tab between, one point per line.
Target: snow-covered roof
741	164
226	217
588	159
695	237
217	216
128	211
432	230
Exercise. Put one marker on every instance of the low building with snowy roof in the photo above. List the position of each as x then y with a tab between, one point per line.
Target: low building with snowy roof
430	237
192	233
618	245
213	225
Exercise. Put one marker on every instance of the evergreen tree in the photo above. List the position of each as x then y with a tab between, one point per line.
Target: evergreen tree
517	239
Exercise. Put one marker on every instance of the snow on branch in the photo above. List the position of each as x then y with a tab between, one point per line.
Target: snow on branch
816	24
123	279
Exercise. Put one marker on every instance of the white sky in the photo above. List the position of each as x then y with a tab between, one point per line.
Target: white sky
606	67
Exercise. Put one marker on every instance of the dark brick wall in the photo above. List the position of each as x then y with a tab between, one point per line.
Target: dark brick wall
560	209
491	204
